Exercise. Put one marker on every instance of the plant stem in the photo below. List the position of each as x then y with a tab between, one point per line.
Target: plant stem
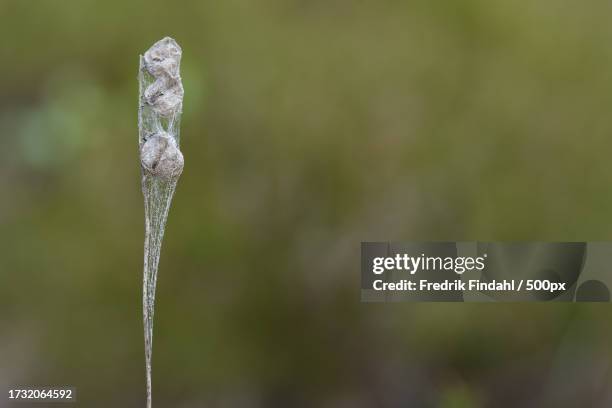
159	112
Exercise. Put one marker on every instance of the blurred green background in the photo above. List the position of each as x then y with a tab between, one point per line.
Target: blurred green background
308	126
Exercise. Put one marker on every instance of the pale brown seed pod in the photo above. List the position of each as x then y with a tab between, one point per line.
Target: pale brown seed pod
165	96
162	61
161	157
163	58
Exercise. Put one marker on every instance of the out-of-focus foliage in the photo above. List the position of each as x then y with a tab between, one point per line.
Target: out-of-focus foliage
309	126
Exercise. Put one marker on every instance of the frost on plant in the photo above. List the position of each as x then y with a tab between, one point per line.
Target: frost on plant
159	113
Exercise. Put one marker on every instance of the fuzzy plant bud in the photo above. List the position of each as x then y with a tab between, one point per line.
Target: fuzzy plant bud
165	96
162	61
163	58
161	157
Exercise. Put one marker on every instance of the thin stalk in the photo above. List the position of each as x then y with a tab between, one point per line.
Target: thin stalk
159	113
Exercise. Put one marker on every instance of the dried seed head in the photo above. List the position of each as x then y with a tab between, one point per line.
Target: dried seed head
161	157
162	61
165	96
163	58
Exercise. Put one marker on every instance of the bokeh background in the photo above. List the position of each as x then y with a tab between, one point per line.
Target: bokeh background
308	127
